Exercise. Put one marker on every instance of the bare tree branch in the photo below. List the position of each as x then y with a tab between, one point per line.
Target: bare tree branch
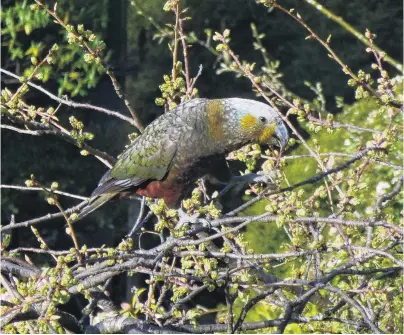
71	103
23	188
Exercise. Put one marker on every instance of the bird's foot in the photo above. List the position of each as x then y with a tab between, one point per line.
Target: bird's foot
238	182
184	219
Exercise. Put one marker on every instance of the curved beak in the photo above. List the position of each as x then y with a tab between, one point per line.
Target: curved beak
281	133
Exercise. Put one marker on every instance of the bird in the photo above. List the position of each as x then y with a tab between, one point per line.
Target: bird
185	144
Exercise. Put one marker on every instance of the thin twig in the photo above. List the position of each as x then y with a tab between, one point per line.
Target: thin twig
185	52
24	188
312	180
340	154
247	72
71	103
176	11
251	303
57	130
86	47
333	54
43	218
354	32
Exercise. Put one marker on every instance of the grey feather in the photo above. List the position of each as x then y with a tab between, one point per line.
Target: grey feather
94	204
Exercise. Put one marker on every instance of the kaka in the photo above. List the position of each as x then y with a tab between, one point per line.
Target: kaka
185	144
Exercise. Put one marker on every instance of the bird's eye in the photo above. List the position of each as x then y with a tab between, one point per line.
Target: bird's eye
262	119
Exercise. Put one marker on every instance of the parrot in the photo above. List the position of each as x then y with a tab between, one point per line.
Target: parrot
185	144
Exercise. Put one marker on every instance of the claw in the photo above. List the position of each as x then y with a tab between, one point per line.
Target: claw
184	218
240	181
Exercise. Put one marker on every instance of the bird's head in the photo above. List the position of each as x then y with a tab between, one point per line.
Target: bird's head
258	122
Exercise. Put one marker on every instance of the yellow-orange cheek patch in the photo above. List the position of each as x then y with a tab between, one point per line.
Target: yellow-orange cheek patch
248	122
266	134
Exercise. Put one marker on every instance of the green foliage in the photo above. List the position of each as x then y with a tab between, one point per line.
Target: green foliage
24	18
268	237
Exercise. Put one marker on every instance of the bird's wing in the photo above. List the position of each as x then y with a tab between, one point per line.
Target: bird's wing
144	160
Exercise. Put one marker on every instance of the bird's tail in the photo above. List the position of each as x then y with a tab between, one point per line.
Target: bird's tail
94	203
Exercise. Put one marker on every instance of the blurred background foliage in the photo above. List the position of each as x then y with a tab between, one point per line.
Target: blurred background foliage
137	36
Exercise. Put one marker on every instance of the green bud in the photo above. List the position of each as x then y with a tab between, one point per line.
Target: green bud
169	5
24	89
172	105
73	217
301	212
80	288
101	45
88	58
50	110
359	92
29	183
220	47
5	95
88	136
385	98
293	111
297	102
70	28
71	38
301	113
369	35
352	82
178	66
257	80
159	102
216	37
51	201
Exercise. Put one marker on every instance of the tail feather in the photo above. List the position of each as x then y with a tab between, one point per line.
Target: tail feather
113	186
108	187
95	203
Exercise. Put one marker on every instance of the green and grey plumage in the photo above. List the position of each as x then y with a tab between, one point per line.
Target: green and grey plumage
178	147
